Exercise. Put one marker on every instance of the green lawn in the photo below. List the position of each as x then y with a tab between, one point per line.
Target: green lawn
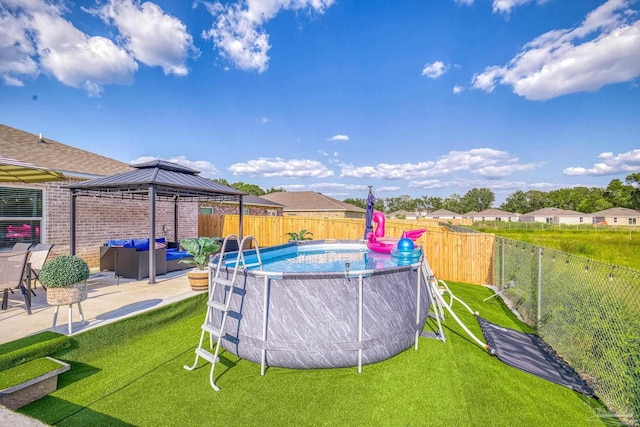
615	247
131	373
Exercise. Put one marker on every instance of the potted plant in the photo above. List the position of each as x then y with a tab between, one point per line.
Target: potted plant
301	235
200	248
65	279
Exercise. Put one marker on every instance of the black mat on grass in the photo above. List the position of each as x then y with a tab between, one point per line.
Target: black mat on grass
531	354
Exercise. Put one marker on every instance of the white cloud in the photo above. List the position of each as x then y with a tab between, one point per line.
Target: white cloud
493	172
430	184
611	164
35	37
78	60
206	168
434	70
280	168
457	89
238	30
604	49
464	2
337	187
264	120
16	50
463	185
292	187
338	138
505	6
152	36
387	189
482	161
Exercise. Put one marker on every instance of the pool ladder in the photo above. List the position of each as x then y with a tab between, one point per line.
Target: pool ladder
217	306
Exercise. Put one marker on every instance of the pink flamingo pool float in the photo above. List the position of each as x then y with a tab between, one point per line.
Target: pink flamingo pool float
377	242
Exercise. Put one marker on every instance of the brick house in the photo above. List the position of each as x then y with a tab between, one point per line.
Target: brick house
45	207
252	205
493	215
441	214
557	216
617	216
310	203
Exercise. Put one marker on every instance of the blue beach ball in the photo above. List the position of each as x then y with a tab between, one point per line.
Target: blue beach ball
405	245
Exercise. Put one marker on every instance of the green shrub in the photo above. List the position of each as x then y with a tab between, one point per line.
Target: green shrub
64	271
302	235
200	249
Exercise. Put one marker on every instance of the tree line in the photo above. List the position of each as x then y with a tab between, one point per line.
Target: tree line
617	194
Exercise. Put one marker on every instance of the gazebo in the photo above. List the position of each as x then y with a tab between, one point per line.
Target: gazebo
152	181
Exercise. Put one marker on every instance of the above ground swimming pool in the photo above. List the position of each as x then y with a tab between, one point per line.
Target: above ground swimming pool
320	304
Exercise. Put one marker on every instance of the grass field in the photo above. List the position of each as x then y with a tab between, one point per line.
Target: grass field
617	247
131	373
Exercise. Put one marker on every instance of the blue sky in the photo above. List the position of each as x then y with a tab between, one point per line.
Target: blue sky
412	97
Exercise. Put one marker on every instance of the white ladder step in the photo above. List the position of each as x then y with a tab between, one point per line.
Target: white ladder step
220	281
217	305
252	264
213	331
206	355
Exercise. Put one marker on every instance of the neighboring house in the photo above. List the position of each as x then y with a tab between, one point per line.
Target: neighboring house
493	215
442	214
43	208
617	216
251	205
310	203
557	216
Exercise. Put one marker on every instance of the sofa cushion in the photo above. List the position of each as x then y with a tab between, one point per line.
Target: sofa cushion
177	255
141	244
120	243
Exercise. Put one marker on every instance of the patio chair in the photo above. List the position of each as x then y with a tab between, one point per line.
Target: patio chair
21	247
39	255
12	274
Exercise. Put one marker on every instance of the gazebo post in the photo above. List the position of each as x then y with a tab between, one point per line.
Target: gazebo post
176	198
72	225
152	234
241	207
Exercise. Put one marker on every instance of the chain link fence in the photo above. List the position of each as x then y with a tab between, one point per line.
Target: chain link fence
587	311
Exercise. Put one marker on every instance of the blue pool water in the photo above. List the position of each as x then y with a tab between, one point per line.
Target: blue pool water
328	257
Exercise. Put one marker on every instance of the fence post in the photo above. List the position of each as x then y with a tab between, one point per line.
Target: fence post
502	263
539	288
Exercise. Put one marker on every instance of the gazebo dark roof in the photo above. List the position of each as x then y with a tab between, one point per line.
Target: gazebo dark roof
169	180
150	181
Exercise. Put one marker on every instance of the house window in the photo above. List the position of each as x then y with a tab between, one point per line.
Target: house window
272	212
632	221
615	220
580	220
245	211
549	221
20	216
206	210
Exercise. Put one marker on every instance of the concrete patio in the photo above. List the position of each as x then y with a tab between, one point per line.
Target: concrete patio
106	302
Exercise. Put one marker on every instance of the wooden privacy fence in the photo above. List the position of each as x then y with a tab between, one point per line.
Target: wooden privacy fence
453	256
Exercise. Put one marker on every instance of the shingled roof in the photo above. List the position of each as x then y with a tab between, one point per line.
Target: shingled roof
43	151
310	201
623	212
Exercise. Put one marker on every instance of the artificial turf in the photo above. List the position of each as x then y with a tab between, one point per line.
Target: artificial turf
131	373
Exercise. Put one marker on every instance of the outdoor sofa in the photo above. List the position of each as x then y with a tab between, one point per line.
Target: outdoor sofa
130	257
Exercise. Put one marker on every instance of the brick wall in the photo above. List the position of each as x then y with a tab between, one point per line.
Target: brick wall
99	219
